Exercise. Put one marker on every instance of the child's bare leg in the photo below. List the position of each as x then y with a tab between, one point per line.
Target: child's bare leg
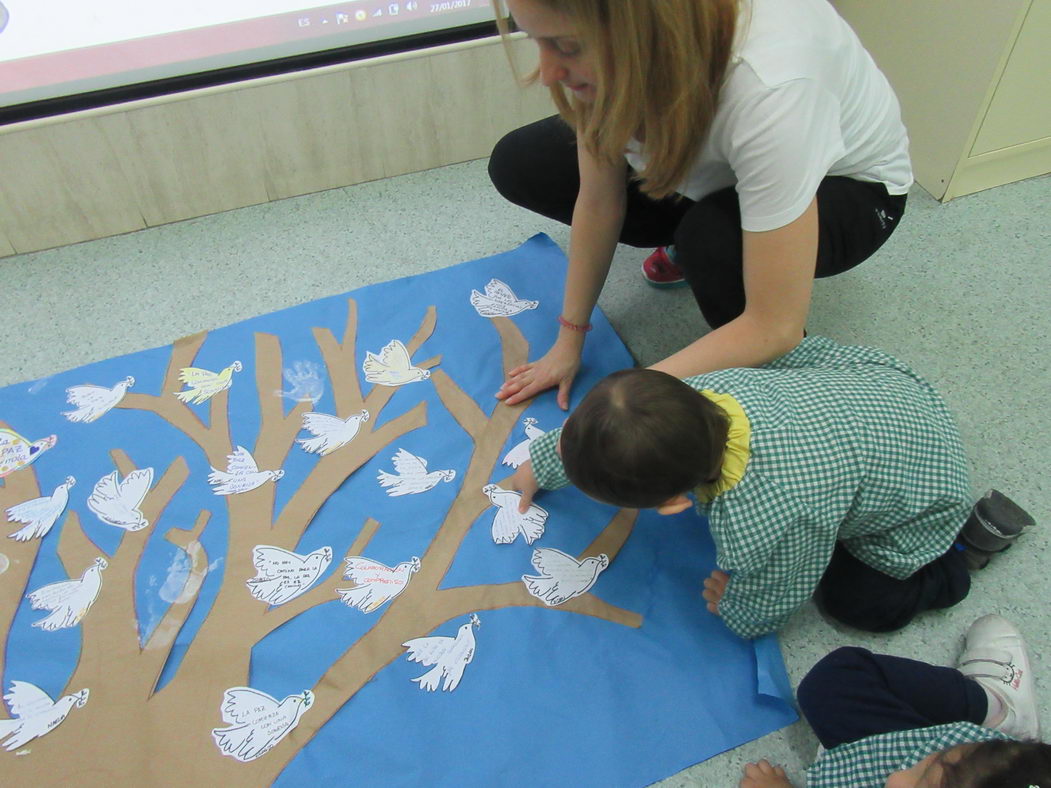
764	775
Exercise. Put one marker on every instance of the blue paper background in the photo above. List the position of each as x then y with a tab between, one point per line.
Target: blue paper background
551	697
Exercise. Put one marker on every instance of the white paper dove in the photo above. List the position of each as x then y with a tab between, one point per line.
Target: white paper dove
92	402
203	384
499	301
392	367
257	722
68	600
40	514
562	577
509	522
330	432
241	474
282	575
411	475
34	713
305	381
520	452
117	503
374	583
450	656
17	452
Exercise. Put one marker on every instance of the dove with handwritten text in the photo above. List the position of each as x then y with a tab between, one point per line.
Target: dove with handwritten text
509	522
330	432
34	714
117	502
392	367
203	384
69	600
374	583
241	474
40	514
449	656
282	575
562	577
256	722
93	402
499	300
520	451
411	475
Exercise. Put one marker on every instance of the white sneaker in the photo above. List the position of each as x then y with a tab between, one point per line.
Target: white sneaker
995	656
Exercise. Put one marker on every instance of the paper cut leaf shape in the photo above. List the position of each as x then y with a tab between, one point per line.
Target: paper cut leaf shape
92	402
68	600
509	522
40	514
241	474
520	452
450	656
17	453
282	575
257	722
411	475
305	380
374	583
499	301
392	367
118	503
202	384
562	577
34	713
330	432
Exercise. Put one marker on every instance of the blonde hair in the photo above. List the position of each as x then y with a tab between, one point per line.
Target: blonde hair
659	67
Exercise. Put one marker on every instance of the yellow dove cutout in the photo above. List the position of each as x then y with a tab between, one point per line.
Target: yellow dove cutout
203	384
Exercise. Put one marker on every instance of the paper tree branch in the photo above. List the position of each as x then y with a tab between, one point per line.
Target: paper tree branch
157	649
277	432
14	489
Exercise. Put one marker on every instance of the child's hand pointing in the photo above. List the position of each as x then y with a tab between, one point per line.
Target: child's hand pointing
524	481
714	588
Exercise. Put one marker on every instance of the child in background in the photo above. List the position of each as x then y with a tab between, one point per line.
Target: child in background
833	468
900	723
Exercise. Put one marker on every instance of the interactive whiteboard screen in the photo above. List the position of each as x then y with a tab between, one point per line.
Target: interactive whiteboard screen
56	48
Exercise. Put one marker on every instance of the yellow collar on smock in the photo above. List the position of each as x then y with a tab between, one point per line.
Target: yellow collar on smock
735	458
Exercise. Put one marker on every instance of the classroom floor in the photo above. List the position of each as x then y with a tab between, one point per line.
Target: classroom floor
962	292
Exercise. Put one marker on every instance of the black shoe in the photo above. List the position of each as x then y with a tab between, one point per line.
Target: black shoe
995	523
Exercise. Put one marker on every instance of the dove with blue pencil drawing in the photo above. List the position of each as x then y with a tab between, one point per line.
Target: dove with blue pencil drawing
68	600
93	402
392	367
117	502
17	452
282	575
499	300
241	474
520	452
203	384
411	475
330	432
256	722
40	514
34	714
375	584
562	577
449	656
509	522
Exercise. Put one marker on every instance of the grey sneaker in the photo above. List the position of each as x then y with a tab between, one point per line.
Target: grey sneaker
996	657
995	523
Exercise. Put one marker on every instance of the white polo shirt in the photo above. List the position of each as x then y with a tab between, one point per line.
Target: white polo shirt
802	99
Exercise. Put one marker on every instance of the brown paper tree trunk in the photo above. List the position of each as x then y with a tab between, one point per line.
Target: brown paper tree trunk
129	733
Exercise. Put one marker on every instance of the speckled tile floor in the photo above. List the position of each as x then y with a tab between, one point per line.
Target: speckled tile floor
962	292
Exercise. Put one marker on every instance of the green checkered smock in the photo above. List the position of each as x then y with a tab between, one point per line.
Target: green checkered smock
845	443
868	762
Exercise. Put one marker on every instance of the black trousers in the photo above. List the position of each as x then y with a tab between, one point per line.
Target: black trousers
536	167
853	693
865	598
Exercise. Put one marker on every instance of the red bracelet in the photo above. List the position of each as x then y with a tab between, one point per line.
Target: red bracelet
573	326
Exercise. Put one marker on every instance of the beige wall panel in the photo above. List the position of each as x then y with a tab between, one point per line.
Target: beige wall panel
5	246
190	158
942	57
998	167
314	133
62	184
1020	111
